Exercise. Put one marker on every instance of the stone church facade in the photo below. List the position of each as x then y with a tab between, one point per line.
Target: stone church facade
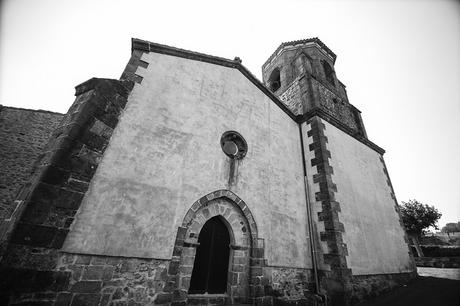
189	181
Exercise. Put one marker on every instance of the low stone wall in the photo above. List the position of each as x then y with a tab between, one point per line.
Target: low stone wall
89	280
438	262
368	286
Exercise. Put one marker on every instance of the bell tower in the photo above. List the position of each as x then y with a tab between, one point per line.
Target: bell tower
301	74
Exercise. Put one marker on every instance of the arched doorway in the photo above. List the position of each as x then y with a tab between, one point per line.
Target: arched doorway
211	261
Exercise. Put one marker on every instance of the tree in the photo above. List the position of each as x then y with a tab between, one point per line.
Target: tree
451	228
417	217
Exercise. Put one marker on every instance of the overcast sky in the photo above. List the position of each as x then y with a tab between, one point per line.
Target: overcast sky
400	61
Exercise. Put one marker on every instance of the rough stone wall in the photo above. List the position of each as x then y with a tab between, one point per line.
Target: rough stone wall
288	285
23	135
31	238
96	280
101	279
291	97
337	107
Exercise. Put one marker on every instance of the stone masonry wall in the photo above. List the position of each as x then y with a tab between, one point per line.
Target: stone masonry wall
23	134
291	98
96	280
102	280
337	107
288	285
32	236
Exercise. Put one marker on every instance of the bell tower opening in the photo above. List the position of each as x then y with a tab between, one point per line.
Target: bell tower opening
328	72
275	80
212	257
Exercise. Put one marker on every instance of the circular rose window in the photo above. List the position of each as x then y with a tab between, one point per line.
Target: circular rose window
233	145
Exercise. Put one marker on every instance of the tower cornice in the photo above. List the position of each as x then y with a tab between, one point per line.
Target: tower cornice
295	43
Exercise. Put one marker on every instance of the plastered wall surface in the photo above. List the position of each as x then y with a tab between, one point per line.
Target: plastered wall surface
165	154
374	237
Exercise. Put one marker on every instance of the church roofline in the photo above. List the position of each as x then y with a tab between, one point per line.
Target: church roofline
300	42
143	45
146	46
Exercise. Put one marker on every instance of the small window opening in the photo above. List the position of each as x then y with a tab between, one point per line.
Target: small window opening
329	73
211	261
233	145
274	81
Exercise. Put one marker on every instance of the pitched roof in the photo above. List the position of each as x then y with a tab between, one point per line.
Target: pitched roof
147	46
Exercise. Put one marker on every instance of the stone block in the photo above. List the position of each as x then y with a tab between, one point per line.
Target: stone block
45	295
118	294
59	238
55	175
238	268
86	299
93	273
114	283
177	251
100	128
188	251
63	299
98	260
188	260
113	261
77	185
163	298
104	300
34	303
187	270
197	301
179	295
77	271
240	260
87	287
217	301
256	271
185	282
107	273
66	259
203	201
94	141
82	259
34	235
173	267
181	232
257	252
